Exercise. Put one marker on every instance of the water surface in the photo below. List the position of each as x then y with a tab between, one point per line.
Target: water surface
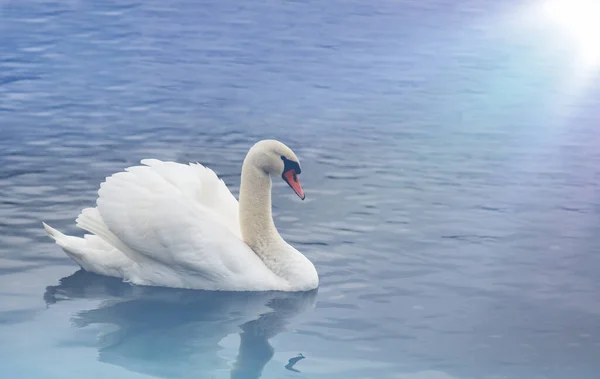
450	160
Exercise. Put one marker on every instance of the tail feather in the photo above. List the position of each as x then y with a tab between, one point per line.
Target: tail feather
92	253
53	233
68	243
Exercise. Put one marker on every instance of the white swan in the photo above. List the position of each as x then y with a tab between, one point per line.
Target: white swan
174	225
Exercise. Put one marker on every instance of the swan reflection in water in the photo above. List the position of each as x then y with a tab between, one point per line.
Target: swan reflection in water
174	333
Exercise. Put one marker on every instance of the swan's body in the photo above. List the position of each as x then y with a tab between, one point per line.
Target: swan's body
174	225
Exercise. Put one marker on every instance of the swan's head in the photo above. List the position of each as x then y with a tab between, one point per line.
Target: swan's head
275	158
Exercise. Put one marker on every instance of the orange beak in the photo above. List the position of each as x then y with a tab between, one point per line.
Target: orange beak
291	178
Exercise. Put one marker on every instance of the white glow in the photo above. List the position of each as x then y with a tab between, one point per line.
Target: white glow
581	20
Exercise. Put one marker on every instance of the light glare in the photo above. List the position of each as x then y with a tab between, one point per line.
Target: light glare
581	20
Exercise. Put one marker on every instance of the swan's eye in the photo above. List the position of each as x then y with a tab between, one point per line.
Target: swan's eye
290	165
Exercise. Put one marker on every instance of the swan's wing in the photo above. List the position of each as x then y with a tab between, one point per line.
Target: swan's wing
177	221
201	184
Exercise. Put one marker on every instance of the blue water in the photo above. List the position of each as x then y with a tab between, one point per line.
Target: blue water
451	160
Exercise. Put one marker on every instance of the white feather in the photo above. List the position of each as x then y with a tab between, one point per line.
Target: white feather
176	225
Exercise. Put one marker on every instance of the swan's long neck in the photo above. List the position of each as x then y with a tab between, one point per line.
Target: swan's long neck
256	220
259	231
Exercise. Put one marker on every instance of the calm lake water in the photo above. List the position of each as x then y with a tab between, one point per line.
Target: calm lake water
451	160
